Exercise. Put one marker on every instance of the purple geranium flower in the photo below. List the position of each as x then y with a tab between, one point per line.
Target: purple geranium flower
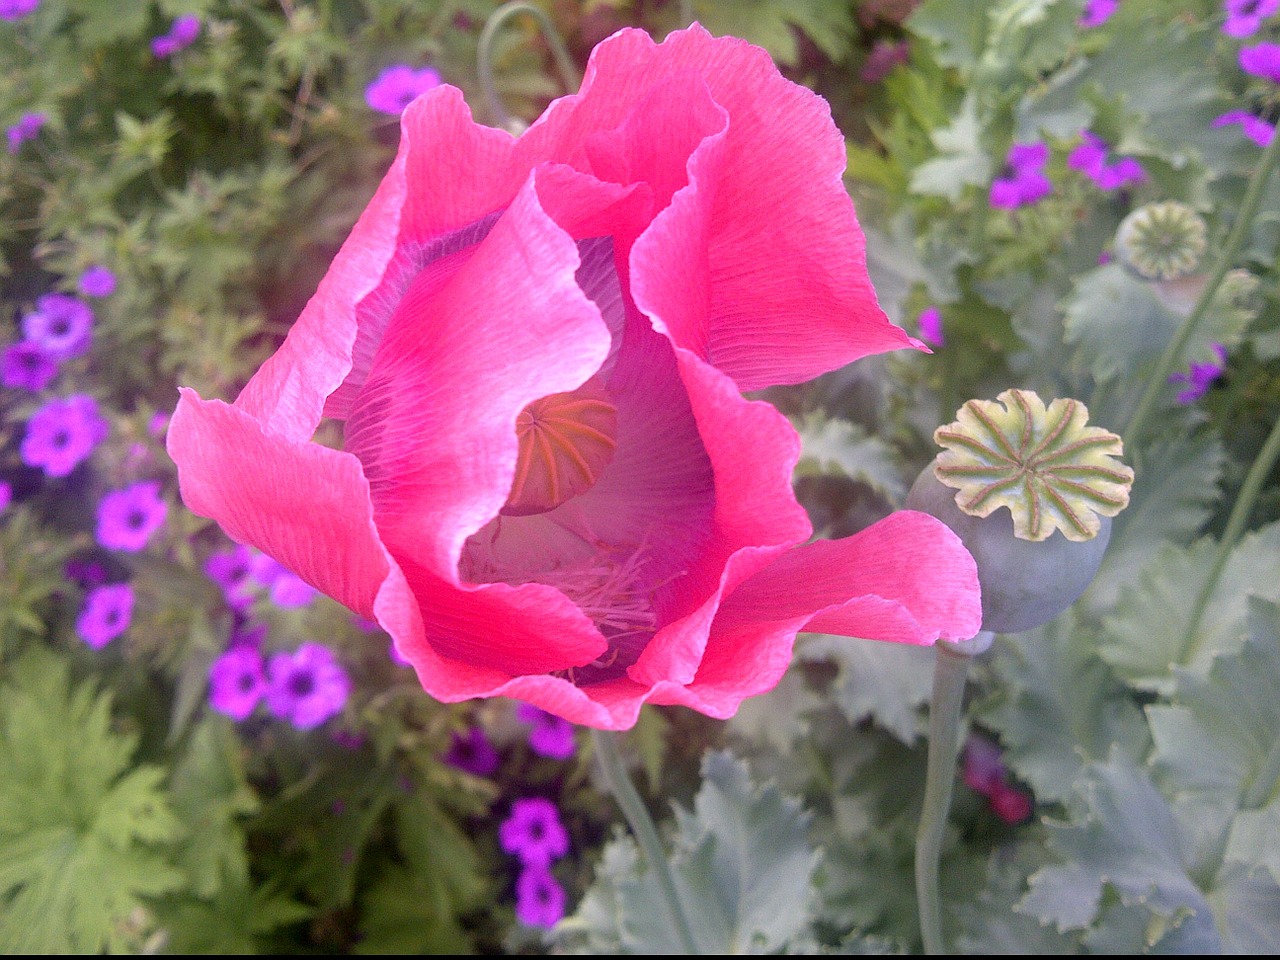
472	752
1244	17
306	687
285	587
1200	376
61	435
534	832
127	518
1255	128
182	34
549	736
60	325
1097	12
884	56
930	325
26	365
398	658
540	900
6	495
230	569
398	86
1090	158
1261	60
16	9
237	681
106	614
97	281
27	128
1025	182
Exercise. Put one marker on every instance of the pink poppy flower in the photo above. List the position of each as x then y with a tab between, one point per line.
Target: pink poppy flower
552	488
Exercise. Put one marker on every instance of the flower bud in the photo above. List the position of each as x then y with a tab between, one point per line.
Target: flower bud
1162	241
1059	485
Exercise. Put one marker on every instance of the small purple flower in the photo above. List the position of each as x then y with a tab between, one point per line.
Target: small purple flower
61	435
97	281
1261	60
1200	377
237	681
983	769
27	128
540	900
1244	17
534	832
158	425
1025	183
25	365
398	658
127	518
472	752
231	569
6	495
306	687
285	587
182	34
16	9
60	325
549	736
397	86
1255	128
884	56
1090	158
930	325
1097	12
87	573
106	614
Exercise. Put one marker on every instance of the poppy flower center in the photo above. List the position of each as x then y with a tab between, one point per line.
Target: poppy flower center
566	441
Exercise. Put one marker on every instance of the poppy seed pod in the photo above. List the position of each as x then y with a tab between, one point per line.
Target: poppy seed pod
1059	485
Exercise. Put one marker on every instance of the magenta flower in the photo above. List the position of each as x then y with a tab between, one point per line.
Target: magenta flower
16	9
1010	804
552	487
27	366
1091	159
61	435
540	900
472	752
27	128
549	735
1025	182
6	495
106	614
534	832
182	34
97	281
306	687
1097	12
1261	60
398	86
60	325
982	767
1200	377
929	323
237	681
1255	128
1244	17
127	518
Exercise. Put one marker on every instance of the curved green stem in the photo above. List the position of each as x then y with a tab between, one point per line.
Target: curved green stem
633	808
1230	250
1240	511
564	62
944	743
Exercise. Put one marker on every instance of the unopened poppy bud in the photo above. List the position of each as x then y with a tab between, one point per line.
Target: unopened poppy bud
1059	483
1162	241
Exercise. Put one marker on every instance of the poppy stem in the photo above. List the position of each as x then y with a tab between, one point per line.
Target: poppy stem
1230	249
642	826
559	51
949	675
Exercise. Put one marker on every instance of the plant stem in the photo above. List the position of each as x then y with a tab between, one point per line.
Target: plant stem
564	62
949	675
1240	511
633	808
1264	781
1230	250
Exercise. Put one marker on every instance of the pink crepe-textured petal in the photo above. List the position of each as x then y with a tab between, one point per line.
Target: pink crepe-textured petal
434	425
303	504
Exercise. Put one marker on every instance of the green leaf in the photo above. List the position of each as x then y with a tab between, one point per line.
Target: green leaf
990	926
838	446
1168	504
402	914
1143	638
957	28
78	827
1116	322
232	922
1120	834
885	681
742	869
962	160
1058	706
777	718
106	22
770	24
